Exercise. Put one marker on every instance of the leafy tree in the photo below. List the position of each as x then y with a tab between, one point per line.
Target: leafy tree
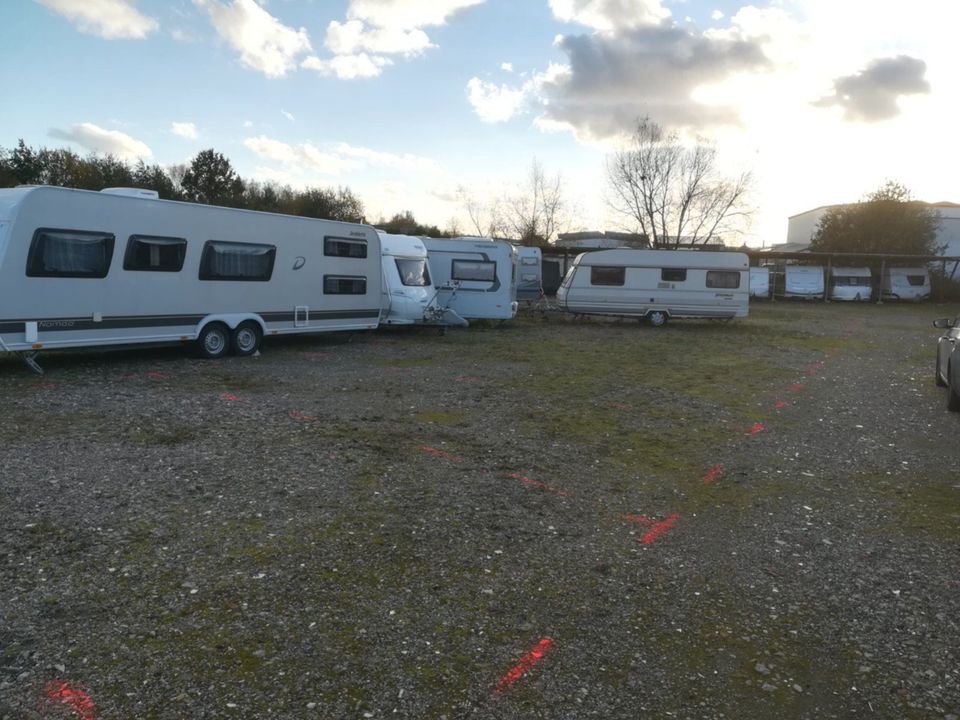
154	177
24	164
405	223
674	193
340	204
211	179
888	220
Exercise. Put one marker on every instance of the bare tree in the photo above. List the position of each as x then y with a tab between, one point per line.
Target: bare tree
672	193
537	211
479	213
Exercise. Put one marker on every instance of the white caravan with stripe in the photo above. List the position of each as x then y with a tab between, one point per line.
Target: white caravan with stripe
476	277
88	269
657	284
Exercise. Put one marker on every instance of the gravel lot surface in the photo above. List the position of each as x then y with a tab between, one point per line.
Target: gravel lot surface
552	518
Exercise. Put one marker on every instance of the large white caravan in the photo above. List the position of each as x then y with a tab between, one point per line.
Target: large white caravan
900	283
81	269
803	281
854	284
409	295
529	273
760	282
476	276
657	284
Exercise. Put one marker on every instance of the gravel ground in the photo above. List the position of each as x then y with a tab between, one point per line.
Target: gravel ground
550	518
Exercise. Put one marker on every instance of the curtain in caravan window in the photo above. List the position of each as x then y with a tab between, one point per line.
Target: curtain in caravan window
236	261
70	253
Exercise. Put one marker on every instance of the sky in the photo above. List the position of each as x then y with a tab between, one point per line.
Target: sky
406	102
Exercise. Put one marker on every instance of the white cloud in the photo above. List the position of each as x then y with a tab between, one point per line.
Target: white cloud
184	129
264	43
353	36
334	160
495	103
97	139
406	14
610	15
111	19
348	67
717	15
375	29
288	115
506	67
248	123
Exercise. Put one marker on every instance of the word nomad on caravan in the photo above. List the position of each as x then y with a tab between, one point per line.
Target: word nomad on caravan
86	269
657	285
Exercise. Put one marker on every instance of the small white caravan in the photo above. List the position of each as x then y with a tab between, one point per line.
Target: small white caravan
760	282
529	273
476	276
409	295
855	284
900	283
657	284
803	281
84	269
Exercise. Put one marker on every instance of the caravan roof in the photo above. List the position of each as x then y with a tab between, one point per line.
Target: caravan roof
628	257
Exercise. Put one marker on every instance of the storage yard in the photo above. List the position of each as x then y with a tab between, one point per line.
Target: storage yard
546	518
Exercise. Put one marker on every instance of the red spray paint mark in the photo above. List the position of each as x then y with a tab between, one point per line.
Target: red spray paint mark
525	664
618	406
795	388
230	397
812	372
468	379
713	473
757	428
302	417
62	693
780	405
49	386
832	351
156	375
317	354
657	527
537	484
441	453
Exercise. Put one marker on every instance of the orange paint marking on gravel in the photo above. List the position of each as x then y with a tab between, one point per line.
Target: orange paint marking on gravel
639	519
756	429
156	375
795	388
468	379
780	405
537	484
618	406
525	664
659	529
441	453
49	386
317	354
63	693
713	473
302	417
230	397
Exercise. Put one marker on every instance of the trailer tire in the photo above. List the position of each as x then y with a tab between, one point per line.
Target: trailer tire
657	318
213	342
245	339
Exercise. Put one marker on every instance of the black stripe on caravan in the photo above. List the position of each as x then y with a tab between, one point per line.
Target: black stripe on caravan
113	323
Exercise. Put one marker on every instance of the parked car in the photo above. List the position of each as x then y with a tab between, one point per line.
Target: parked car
947	371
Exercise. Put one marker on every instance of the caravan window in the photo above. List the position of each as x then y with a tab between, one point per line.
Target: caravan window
478	270
726	279
70	254
344	247
344	285
160	254
237	261
413	273
674	275
917	280
607	275
528	261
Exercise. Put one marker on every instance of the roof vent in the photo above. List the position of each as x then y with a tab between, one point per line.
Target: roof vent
133	192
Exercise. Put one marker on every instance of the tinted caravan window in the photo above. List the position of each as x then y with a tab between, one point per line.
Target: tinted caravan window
726	279
607	275
344	285
673	274
237	261
413	273
70	253
478	270
917	280
159	254
344	247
